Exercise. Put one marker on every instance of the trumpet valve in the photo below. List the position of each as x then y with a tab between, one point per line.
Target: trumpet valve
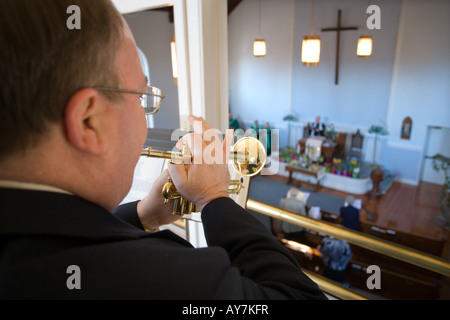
169	191
235	186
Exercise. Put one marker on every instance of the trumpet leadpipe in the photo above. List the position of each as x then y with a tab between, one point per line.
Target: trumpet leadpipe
150	152
248	156
175	157
178	157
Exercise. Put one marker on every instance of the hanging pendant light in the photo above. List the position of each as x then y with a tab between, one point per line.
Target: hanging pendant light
311	46
364	48
311	51
259	48
259	45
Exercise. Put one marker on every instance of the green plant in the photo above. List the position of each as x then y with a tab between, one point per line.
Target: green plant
439	163
331	133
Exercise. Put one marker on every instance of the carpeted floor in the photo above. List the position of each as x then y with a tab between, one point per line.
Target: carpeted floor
270	191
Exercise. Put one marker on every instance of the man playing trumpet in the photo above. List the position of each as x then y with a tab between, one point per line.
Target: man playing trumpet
72	128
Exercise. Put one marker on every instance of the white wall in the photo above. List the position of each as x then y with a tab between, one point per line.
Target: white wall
362	94
279	82
407	75
260	87
421	82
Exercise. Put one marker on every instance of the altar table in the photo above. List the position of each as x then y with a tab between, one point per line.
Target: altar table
318	172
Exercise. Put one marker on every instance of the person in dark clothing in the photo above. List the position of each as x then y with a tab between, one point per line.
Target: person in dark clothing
336	254
349	214
72	127
317	129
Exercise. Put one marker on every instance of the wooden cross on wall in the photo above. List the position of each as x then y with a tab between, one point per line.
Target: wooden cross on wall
339	28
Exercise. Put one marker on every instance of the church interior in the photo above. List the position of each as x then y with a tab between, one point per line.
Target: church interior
371	130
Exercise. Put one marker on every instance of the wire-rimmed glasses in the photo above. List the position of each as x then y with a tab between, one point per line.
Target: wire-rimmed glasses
150	100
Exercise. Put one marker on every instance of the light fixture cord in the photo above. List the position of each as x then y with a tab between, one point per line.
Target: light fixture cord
312	20
366	31
259	20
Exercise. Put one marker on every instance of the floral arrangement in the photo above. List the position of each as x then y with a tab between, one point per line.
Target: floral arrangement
337	166
378	127
288	155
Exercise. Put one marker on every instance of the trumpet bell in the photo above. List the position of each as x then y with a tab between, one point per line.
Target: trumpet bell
248	156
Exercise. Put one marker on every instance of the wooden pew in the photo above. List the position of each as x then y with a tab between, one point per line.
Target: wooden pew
400	280
421	243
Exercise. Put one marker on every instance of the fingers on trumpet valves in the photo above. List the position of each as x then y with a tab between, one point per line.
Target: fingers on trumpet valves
235	186
181	205
169	191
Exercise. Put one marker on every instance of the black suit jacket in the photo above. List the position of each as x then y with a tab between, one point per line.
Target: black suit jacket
43	233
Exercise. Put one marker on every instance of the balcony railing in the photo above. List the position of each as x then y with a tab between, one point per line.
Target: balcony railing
387	248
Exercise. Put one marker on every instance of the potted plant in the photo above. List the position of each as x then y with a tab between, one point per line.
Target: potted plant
378	128
289	116
355	172
441	163
331	132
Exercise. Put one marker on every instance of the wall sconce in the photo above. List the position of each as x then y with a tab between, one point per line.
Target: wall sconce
173	54
311	46
259	45
364	48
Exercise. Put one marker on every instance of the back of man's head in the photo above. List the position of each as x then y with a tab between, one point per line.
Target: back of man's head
43	62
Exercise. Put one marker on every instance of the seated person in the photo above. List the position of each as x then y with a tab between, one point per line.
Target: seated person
265	136
350	214
294	201
296	193
336	254
317	129
255	128
269	138
255	125
314	212
233	122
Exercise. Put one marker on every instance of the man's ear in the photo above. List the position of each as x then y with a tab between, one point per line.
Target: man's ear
85	121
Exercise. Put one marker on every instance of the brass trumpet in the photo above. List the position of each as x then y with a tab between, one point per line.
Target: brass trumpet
248	157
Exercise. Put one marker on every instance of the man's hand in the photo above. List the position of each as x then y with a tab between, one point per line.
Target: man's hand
152	210
207	177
